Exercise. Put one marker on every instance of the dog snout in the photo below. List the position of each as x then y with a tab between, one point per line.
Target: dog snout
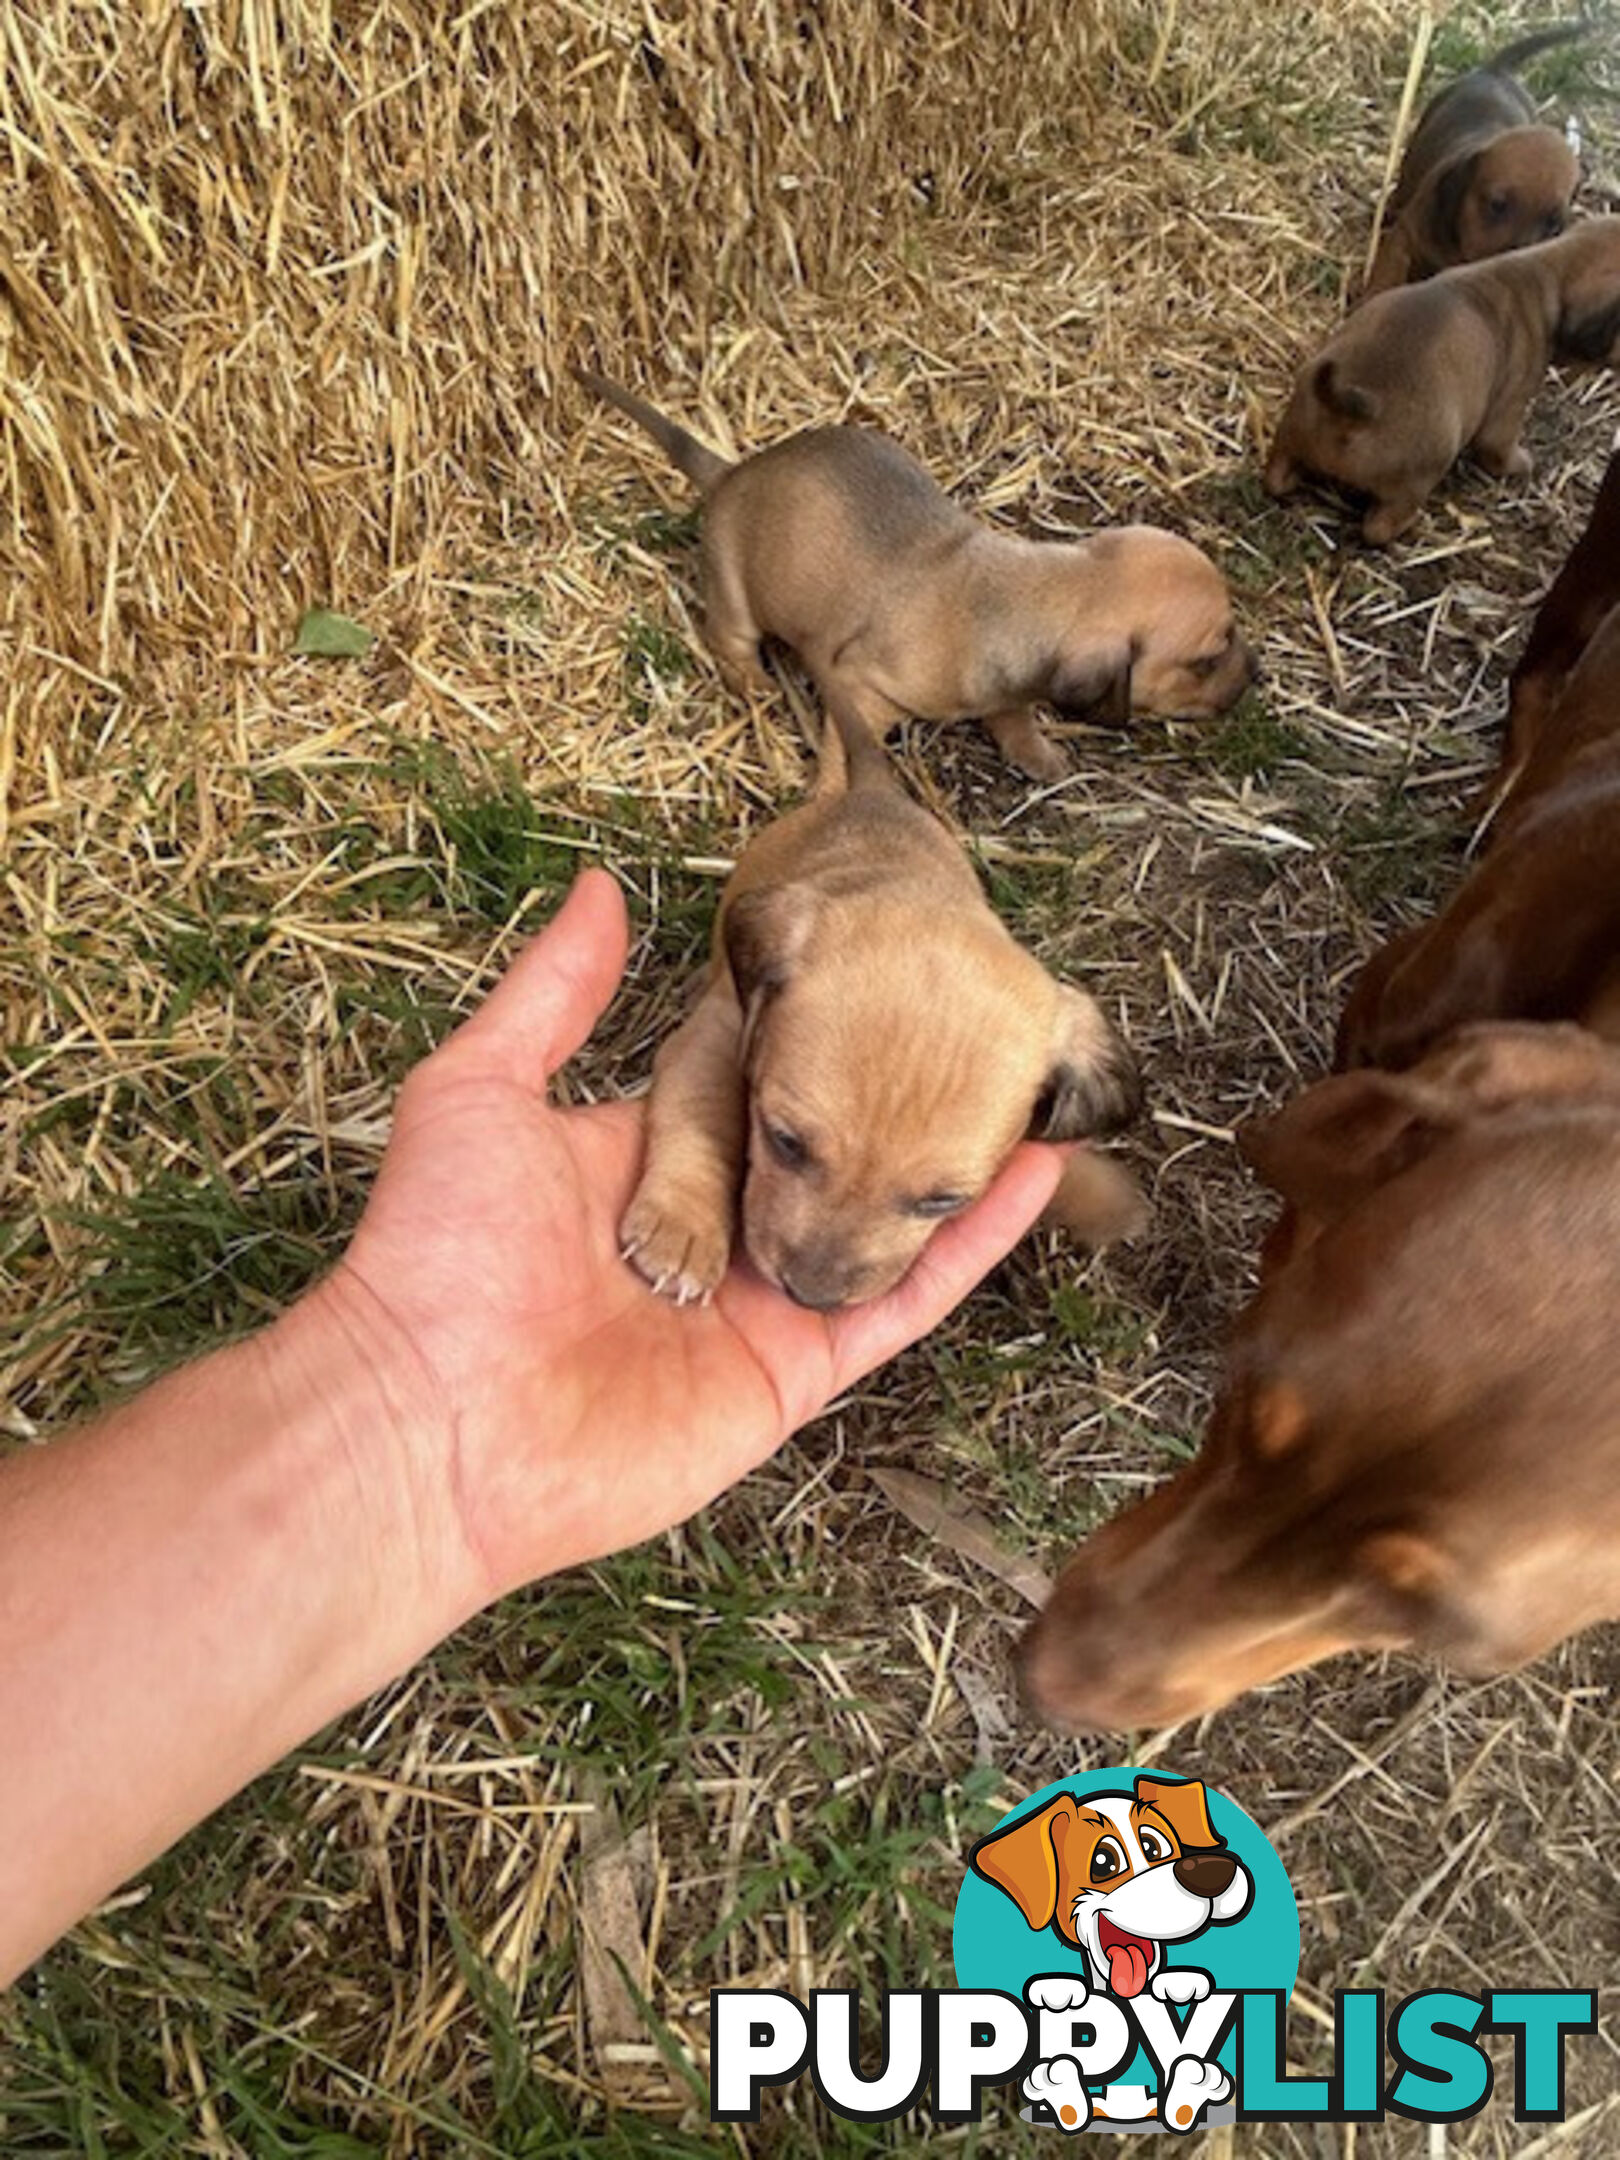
1205	1874
821	1282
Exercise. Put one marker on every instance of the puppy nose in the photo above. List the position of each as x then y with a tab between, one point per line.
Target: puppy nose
815	1294
1205	1874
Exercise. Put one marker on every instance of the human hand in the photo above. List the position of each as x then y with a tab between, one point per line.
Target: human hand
543	1405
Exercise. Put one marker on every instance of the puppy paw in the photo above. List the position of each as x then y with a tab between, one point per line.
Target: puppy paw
682	1251
1057	1991
1180	1984
1058	2084
1193	2087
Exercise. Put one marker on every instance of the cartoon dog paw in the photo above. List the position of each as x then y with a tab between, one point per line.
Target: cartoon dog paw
680	1249
1057	1991
1180	1984
1059	2084
1193	2086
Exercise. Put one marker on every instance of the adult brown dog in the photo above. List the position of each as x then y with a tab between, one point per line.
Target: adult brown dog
1420	374
836	543
1533	933
1481	175
1417	1445
1580	596
870	1046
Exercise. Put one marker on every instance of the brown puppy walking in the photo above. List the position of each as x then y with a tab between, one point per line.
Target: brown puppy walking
1481	175
870	1046
1419	375
837	543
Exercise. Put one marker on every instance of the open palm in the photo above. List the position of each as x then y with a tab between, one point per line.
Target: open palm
578	1412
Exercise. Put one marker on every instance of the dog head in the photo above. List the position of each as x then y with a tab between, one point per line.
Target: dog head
1118	1875
1172	646
894	1056
1513	192
1376	1473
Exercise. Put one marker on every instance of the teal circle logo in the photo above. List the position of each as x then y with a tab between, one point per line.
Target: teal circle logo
1127	1909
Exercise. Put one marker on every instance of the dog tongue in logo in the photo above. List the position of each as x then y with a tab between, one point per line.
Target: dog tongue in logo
1129	1957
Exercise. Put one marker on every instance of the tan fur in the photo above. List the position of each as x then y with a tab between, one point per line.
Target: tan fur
865	1001
1436	1342
837	544
1420	374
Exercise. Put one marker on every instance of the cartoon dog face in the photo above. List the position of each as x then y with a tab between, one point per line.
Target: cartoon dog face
1118	1875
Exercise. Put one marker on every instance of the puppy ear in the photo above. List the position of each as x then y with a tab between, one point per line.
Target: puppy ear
1345	1137
1093	685
1587	334
1436	211
1347	399
1024	1861
1184	1806
1093	1085
764	935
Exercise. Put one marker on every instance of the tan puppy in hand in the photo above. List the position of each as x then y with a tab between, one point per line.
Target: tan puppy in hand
869	1048
838	544
1418	375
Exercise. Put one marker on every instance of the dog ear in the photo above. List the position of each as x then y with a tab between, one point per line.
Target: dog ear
1025	1860
1587	336
1346	399
764	936
1093	1085
1184	1806
1093	685
1344	1137
1436	211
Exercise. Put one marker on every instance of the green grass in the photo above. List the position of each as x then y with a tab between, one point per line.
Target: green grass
655	662
1387	849
1251	743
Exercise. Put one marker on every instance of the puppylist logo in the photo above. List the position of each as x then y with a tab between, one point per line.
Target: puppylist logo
1125	1945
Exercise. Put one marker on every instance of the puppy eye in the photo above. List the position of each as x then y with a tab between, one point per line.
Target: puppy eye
1153	1846
936	1205
785	1144
1108	1860
1498	206
1552	225
1206	663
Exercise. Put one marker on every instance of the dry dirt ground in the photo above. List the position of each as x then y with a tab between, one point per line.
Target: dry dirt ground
237	922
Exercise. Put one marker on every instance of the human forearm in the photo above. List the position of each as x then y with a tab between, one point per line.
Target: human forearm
203	1578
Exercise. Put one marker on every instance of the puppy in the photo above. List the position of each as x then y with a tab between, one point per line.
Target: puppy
1118	1875
870	1046
1420	374
1533	933
1480	175
1581	595
838	544
1417	1445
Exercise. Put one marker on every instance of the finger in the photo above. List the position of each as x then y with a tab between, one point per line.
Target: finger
551	997
960	1254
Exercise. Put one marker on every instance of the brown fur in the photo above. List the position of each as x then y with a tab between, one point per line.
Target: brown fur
1534	931
837	544
1420	374
1480	176
1417	1445
1581	595
870	1045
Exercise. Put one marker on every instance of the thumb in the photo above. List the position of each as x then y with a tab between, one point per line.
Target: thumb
551	997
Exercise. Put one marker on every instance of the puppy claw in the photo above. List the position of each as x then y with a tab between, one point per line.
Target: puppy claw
675	1251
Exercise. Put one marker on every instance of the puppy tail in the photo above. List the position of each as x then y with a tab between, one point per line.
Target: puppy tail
700	464
859	752
1346	399
1540	41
